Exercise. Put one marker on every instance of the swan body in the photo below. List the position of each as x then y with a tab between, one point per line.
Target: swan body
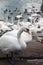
9	43
27	37
9	24
4	27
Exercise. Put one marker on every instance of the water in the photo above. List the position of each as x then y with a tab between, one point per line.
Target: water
13	4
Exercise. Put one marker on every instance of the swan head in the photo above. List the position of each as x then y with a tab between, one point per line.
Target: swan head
23	29
26	29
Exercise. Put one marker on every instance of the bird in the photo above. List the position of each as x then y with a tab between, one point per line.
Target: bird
36	37
4	28
27	37
9	43
18	17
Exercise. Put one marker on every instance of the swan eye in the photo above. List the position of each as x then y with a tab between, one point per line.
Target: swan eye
27	30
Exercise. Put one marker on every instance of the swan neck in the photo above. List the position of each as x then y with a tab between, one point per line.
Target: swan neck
20	32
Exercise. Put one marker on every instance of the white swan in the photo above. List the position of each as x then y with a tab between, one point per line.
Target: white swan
10	43
36	37
19	16
27	37
4	27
